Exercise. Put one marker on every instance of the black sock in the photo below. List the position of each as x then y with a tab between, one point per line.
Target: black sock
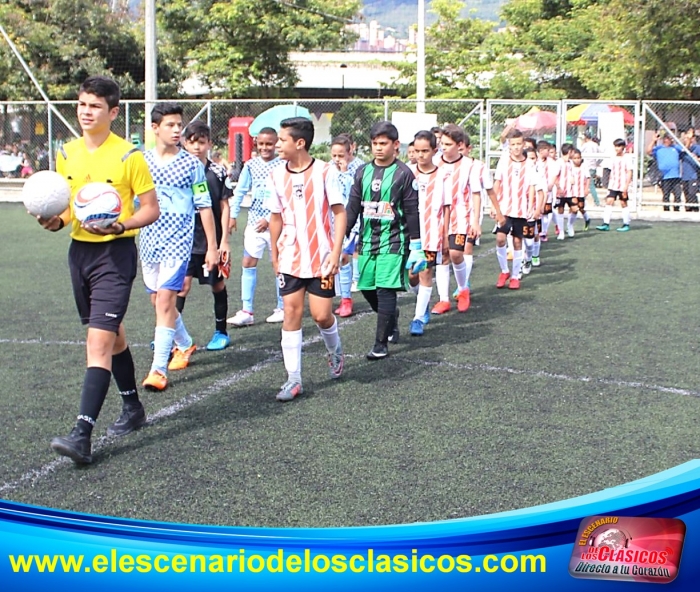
386	305
385	325
95	387
371	297
125	376
180	303
221	310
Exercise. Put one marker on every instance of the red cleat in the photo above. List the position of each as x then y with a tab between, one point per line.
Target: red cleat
514	284
463	300
441	308
502	279
345	308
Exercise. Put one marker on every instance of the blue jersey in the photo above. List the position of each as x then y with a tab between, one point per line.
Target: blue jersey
253	180
181	186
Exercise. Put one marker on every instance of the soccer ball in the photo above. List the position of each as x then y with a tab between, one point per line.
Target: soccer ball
46	194
97	204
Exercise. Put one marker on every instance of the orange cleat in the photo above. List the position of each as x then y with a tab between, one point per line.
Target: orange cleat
514	284
463	300
502	279
345	308
441	308
155	381
181	359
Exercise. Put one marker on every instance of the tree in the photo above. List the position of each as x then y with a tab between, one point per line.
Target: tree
241	48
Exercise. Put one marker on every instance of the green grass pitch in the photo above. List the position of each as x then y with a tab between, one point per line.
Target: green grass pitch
584	379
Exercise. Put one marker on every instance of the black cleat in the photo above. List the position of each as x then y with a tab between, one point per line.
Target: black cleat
379	351
75	446
132	418
394	335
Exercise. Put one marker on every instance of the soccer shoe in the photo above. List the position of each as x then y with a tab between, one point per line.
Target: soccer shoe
570	232
560	236
527	267
75	446
155	381
535	261
624	228
441	307
132	418
463	300
556	229
218	342
395	334
502	279
586	224
277	316
241	319
379	351
336	361
345	308
290	390
426	318
603	227
353	287
544	238
514	284
181	359
416	327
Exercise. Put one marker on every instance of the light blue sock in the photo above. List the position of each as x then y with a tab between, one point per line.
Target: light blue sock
249	278
163	343
355	270
280	301
181	338
346	281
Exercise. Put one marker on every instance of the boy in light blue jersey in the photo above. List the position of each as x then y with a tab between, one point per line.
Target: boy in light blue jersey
166	245
256	238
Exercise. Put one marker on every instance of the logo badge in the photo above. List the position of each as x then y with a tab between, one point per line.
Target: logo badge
376	184
628	549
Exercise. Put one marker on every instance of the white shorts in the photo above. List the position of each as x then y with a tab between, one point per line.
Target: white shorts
165	275
254	243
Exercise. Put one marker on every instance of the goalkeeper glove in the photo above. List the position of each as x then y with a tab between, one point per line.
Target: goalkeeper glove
416	258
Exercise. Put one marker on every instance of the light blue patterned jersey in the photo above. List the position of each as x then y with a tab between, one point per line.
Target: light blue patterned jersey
181	186
253	180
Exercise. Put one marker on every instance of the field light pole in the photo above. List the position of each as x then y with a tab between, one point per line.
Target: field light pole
420	66
151	55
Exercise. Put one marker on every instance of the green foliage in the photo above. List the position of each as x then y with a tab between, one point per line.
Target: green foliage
356	118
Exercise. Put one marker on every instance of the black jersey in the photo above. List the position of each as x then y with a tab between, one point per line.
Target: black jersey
386	200
219	189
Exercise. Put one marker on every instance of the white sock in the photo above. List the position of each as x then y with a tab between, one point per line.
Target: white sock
572	220
442	280
181	338
546	221
291	352
560	222
502	254
536	248
469	260
626	216
529	248
163	343
422	301
586	216
330	336
517	263
462	271
509	242
607	214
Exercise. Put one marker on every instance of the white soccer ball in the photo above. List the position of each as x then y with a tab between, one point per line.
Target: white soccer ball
97	204
46	194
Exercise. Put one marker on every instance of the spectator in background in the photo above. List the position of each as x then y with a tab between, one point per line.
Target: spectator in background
690	167
589	150
668	160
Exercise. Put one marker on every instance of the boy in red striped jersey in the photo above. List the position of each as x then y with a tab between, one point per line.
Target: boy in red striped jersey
580	188
434	214
618	185
564	188
305	245
515	186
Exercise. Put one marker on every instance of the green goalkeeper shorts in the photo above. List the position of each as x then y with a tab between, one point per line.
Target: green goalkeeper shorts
382	271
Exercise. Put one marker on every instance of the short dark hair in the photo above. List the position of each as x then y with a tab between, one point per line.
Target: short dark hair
516	133
574	152
384	128
619	142
299	128
455	133
268	131
542	144
103	87
346	135
530	140
197	130
342	140
160	110
411	144
428	136
566	148
436	129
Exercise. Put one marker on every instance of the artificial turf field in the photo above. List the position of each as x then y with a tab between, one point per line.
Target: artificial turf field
584	379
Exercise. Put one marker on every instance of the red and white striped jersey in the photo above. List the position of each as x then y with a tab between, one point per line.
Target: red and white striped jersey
516	178
549	169
580	178
620	167
461	180
565	179
304	200
432	199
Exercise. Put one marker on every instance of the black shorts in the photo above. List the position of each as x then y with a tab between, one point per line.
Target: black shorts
102	275
532	229
513	226
547	209
195	269
612	194
322	287
565	201
459	241
431	257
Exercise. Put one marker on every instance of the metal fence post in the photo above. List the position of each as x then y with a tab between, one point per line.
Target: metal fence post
386	109
127	135
49	132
